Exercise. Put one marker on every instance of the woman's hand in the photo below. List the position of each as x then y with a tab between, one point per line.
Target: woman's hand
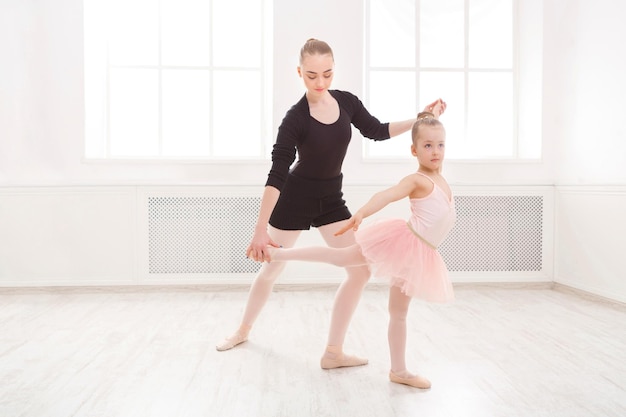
257	249
436	108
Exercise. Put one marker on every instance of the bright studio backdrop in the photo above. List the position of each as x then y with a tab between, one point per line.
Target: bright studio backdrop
66	220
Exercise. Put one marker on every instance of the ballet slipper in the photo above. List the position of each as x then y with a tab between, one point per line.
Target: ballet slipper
415	381
238	338
271	251
339	359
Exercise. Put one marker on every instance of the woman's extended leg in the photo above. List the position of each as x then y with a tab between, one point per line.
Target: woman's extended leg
396	334
261	289
346	300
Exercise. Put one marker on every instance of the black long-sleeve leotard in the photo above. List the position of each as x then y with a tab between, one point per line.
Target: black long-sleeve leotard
321	148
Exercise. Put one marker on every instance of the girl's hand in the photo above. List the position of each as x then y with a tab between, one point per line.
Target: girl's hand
352	223
257	249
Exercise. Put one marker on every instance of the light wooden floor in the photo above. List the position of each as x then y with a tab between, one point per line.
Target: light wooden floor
150	352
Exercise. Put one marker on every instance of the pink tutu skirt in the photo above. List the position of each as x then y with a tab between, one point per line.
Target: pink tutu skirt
396	254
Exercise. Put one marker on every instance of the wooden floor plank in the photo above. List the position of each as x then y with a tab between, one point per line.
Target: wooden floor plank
497	351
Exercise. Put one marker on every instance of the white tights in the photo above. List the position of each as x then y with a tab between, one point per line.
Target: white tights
396	333
343	257
398	301
346	298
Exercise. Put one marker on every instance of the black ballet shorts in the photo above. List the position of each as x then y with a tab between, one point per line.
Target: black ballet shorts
304	203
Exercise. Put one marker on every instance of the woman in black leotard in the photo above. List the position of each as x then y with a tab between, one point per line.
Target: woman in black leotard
309	194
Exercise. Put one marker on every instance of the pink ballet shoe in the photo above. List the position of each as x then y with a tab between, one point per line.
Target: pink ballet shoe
232	341
340	359
415	381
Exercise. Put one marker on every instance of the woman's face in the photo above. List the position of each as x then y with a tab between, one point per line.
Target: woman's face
317	72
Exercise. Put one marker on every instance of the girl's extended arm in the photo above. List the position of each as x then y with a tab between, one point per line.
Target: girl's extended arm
380	200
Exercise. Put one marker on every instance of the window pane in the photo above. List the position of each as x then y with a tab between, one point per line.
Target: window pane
150	68
186	109
134	32
490	34
466	52
442	38
185	32
95	76
237	114
391	98
490	115
448	86
392	29
237	32
134	112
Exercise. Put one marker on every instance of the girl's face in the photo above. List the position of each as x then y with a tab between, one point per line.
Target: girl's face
430	148
317	73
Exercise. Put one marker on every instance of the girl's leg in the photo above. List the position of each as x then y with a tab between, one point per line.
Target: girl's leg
396	334
261	289
343	257
346	300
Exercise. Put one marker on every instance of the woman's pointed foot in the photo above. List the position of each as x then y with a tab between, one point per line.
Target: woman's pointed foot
335	358
343	361
415	381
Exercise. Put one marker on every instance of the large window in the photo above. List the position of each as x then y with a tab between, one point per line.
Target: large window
177	79
464	51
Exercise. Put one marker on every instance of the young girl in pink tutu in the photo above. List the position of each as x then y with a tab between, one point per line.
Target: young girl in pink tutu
404	252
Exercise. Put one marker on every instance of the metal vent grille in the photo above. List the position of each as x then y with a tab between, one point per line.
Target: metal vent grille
200	235
209	235
496	233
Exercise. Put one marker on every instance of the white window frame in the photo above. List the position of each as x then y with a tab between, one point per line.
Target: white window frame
98	133
523	101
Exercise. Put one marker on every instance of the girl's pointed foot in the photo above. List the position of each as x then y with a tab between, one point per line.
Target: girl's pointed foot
237	338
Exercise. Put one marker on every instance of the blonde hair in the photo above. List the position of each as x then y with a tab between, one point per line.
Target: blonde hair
424	119
315	47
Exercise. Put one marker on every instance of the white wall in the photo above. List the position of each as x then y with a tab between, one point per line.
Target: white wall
127	235
590	239
68	236
41	118
584	109
584	90
41	111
